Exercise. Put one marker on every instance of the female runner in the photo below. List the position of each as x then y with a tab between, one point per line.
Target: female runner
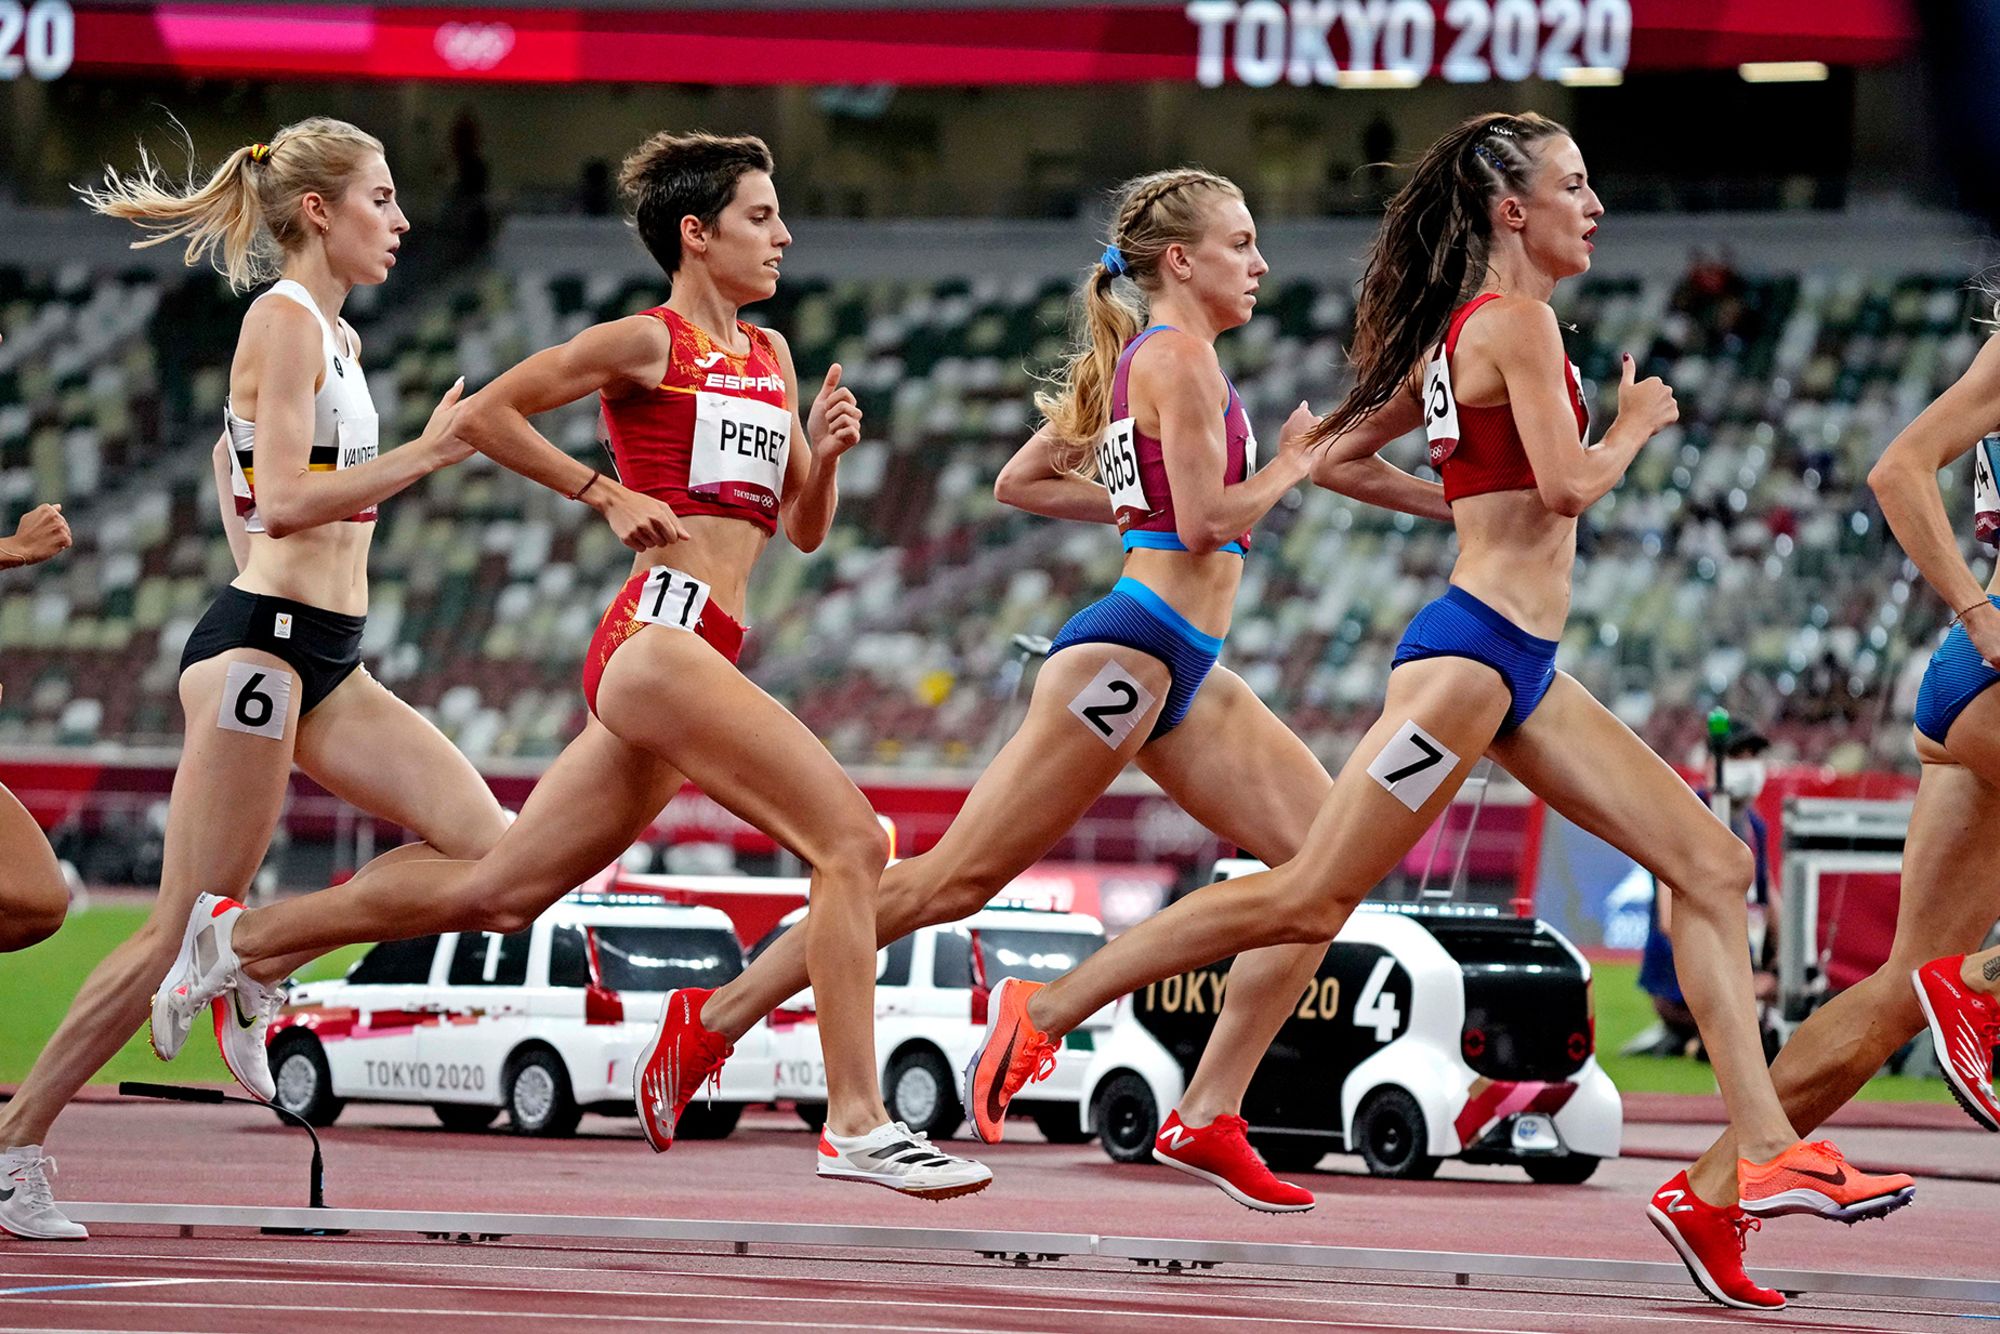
33	896
703	417
271	675
1456	293
1133	677
1950	896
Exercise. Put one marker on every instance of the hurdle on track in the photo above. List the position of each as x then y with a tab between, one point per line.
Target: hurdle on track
1023	1247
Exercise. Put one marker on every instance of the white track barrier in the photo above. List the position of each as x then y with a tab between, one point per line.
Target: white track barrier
1022	1247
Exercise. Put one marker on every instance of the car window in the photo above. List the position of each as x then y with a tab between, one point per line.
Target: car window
951	961
396	962
1038	956
485	960
892	961
569	957
661	958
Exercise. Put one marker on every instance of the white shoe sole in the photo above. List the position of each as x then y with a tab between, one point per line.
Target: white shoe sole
972	1068
1696	1269
81	1234
1222	1184
236	1030
639	1068
161	1021
1805	1200
1969	1099
902	1186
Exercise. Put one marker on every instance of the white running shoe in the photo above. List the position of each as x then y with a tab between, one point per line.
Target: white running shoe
200	971
895	1156
27	1205
243	1015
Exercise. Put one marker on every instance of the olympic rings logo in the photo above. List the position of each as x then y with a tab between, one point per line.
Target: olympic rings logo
474	46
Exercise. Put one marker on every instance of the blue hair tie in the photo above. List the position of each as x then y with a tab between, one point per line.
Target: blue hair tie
1113	259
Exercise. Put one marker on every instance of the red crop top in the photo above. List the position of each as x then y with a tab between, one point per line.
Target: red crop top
1479	449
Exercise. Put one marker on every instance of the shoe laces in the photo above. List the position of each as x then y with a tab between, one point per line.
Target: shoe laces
1825	1148
34	1178
923	1141
1041	1053
1745	1224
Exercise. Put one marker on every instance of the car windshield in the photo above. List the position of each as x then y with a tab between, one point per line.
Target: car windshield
661	958
1037	956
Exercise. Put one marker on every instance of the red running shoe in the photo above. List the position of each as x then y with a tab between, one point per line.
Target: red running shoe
1711	1241
672	1067
1965	1028
1012	1053
1220	1154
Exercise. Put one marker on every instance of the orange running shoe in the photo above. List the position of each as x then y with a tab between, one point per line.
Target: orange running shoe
1812	1178
1012	1053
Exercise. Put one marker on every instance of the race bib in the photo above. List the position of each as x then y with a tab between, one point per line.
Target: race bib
1249	448
1985	493
355	440
1576	387
256	699
671	598
1118	467
740	448
1440	408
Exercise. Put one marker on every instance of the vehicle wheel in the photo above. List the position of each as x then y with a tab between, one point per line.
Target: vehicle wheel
1126	1118
305	1085
812	1113
1290	1153
1058	1123
465	1116
920	1092
539	1101
1570	1170
1390	1134
704	1121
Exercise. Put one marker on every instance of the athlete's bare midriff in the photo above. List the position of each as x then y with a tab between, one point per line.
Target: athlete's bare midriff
1516	555
719	551
324	567
1201	587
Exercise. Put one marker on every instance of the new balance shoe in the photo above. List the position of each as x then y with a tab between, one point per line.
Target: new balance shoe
1220	1154
27	1205
1710	1241
1812	1178
1012	1053
1965	1028
199	972
672	1067
895	1156
243	1015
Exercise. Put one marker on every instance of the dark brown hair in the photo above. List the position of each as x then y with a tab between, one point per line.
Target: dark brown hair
1431	253
674	176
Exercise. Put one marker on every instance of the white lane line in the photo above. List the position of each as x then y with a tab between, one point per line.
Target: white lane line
78	1287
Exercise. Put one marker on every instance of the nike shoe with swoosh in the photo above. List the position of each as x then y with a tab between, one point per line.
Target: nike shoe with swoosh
672	1067
1220	1154
27	1205
895	1156
1710	1241
1012	1053
1812	1178
1965	1028
199	973
243	1015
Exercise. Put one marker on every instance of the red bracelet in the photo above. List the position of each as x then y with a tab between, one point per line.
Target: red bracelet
578	493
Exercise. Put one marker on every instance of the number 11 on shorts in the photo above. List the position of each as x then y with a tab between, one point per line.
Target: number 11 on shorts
671	598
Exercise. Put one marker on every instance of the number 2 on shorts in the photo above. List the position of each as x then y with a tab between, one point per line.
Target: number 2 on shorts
671	598
256	699
1112	704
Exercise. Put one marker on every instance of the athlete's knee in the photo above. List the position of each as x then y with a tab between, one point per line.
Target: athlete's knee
1719	873
857	850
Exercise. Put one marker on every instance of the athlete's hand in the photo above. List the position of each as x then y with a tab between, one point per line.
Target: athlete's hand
1648	404
1292	437
1982	626
42	533
641	522
834	424
440	437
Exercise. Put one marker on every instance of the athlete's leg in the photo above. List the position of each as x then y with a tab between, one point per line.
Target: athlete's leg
1950	898
227	795
597	796
1357	838
33	896
1046	776
670	693
1246	777
1575	754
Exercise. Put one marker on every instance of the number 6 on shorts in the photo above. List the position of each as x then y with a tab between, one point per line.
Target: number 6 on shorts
256	699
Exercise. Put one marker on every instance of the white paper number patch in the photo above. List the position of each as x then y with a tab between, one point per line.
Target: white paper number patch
1412	765
1440	408
256	699
1118	467
1112	704
671	598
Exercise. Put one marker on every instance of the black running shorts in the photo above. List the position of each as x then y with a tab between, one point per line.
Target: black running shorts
321	646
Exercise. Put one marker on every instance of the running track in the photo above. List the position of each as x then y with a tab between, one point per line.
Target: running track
144	1279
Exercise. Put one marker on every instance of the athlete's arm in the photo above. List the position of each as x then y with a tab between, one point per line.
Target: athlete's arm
615	356
1522	338
225	496
284	342
1180	374
1351	464
41	533
1905	481
1033	481
832	427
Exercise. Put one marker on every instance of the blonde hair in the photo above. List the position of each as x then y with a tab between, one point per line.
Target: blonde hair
247	218
1149	214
